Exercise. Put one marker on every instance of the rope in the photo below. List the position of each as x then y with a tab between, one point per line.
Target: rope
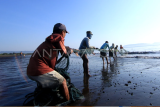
91	50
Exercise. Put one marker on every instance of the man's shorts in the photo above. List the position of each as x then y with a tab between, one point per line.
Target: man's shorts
110	54
103	54
49	80
115	53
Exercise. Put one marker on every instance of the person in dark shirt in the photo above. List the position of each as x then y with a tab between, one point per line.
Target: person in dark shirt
111	52
115	51
83	54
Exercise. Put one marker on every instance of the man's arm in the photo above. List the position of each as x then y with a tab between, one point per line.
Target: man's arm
69	50
107	45
88	45
62	47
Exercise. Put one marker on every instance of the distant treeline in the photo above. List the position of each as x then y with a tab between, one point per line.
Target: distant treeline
148	52
16	53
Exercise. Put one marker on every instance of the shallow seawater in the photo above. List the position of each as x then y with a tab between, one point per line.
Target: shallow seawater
126	82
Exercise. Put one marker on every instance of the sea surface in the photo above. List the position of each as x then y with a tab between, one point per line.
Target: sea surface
143	47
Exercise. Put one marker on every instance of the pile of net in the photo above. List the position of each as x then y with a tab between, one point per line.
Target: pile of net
50	97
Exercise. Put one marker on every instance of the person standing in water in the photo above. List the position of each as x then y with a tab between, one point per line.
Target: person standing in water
111	52
122	50
83	46
21	54
115	51
103	53
121	47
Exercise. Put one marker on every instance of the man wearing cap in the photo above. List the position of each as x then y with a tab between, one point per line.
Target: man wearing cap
43	60
84	45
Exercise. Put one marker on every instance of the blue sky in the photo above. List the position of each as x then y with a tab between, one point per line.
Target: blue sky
24	24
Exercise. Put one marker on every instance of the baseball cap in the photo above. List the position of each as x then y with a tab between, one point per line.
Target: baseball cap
60	26
89	32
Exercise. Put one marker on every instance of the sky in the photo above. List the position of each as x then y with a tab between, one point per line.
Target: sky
24	24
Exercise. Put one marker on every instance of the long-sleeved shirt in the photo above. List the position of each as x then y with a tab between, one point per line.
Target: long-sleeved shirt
111	47
44	58
104	46
84	45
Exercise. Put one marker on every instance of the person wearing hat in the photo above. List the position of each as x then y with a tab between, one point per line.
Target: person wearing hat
103	52
83	46
43	60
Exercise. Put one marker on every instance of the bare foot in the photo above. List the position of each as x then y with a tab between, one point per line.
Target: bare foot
108	63
87	75
111	64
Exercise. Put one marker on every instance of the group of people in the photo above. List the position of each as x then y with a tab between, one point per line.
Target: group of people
103	52
41	65
112	51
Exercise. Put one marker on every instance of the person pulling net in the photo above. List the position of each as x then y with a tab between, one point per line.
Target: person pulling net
43	69
122	51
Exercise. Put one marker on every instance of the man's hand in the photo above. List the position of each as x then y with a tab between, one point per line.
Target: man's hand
76	54
66	55
76	51
71	51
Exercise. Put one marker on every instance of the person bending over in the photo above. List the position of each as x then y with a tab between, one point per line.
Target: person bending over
43	60
103	53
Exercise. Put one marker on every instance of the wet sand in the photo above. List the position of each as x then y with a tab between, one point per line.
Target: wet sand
128	82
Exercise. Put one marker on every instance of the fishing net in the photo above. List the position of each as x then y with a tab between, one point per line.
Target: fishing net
89	51
123	52
62	68
45	97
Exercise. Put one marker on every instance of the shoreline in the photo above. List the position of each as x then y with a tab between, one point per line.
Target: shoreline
12	55
143	52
